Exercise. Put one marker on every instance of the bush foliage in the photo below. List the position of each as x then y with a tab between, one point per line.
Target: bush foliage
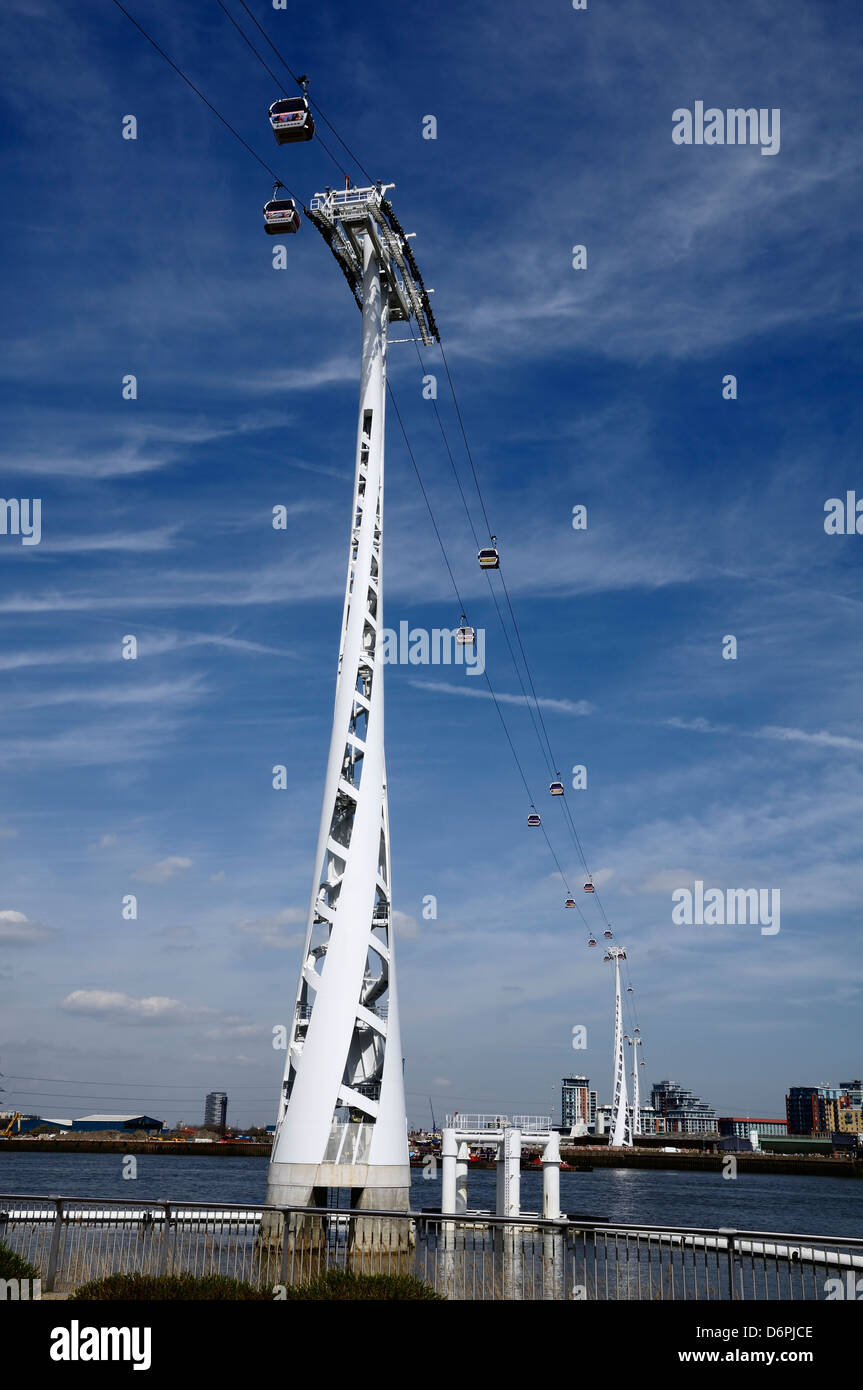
166	1288
14	1266
338	1284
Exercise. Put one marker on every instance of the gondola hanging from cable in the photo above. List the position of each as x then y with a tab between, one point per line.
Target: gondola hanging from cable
570	902
465	635
488	557
291	120
556	787
608	934
280	215
588	887
534	817
592	941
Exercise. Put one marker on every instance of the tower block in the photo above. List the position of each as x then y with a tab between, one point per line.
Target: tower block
342	1120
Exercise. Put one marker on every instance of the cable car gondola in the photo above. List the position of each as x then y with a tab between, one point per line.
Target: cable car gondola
570	902
280	215
556	787
592	941
533	818
588	887
608	934
465	635
629	989
292	120
488	556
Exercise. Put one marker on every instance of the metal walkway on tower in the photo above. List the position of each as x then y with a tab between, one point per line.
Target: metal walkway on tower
343	218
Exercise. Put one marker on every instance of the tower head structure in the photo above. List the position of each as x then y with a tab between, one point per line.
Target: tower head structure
341	1120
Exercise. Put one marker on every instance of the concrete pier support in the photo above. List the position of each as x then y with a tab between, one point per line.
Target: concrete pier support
449	1155
509	1174
462	1165
551	1178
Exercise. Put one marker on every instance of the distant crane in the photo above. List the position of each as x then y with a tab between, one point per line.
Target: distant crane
8	1130
431	1108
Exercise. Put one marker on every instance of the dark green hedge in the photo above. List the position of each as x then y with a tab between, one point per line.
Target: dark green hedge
165	1288
335	1285
13	1266
340	1285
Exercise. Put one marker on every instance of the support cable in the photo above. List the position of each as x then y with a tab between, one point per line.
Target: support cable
277	81
189	83
503	722
317	108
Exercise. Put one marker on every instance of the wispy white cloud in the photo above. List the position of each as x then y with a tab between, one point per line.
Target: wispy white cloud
163	869
772	732
579	707
406	927
329	372
162	693
111	743
130	542
149	644
17	930
104	842
116	1007
271	931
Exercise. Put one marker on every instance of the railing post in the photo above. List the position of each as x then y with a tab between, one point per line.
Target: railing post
730	1234
283	1272
166	1236
54	1252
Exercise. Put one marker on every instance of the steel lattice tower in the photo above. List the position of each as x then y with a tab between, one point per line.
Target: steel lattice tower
621	1134
342	1120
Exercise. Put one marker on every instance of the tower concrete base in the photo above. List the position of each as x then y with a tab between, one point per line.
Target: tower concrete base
378	1187
375	1244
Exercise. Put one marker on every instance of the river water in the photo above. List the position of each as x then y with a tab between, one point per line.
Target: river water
753	1202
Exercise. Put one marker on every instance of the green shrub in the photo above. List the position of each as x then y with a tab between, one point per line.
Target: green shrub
14	1266
341	1285
165	1288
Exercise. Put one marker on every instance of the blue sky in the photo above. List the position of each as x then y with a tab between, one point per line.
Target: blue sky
601	387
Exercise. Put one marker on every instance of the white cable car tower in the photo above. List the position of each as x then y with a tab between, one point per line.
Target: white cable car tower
635	1122
621	1133
342	1120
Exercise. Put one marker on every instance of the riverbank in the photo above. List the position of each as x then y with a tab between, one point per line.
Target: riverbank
789	1165
232	1149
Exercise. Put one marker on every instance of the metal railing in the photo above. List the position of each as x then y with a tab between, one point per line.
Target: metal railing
477	1122
474	1124
468	1256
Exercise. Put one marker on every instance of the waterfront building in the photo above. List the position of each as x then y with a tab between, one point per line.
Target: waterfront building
682	1112
741	1125
843	1118
574	1101
216	1109
806	1110
94	1123
823	1109
648	1120
577	1102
